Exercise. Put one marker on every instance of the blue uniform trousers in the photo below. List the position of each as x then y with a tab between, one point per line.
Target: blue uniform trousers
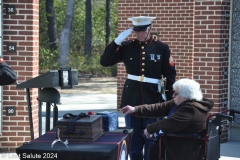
138	142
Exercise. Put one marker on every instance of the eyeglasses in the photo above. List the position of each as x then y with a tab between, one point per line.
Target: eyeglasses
175	94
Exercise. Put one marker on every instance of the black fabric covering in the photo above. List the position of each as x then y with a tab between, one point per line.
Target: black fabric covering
107	147
43	150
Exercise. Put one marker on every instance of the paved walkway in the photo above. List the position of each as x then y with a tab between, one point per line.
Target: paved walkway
76	103
230	151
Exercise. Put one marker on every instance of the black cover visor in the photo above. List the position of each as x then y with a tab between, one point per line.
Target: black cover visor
141	28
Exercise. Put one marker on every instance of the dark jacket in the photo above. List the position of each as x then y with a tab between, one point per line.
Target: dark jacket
189	117
151	59
7	75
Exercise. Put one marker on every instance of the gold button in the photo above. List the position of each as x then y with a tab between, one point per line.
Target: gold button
143	64
143	52
143	58
130	58
143	69
145	42
142	74
126	85
155	61
142	47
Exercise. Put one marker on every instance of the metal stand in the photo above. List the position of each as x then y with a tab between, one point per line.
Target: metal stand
59	140
55	115
48	116
48	113
30	113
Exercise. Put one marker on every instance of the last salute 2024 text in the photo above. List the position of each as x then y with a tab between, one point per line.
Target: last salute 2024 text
38	156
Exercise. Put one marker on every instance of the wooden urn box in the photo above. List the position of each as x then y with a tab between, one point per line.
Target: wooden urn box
87	129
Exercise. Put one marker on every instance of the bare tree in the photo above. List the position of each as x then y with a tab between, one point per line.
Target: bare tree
52	31
65	35
88	29
107	21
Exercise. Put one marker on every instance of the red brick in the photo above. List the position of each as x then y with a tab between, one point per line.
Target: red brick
12	144
15	139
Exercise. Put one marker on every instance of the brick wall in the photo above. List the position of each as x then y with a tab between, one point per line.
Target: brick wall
21	28
210	54
196	31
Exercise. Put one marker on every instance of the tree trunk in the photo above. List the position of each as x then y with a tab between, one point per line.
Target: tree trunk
65	35
52	31
107	21
88	29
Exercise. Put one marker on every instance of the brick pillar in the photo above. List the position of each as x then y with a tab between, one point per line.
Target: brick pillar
210	54
21	28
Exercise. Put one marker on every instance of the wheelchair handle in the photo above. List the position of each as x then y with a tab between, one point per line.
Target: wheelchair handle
217	120
232	112
229	117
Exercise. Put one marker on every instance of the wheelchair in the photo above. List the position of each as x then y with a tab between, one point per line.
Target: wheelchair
211	137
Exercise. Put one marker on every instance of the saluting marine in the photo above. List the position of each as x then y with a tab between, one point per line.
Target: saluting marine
146	60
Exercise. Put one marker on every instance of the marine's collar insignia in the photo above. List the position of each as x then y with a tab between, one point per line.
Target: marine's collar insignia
152	56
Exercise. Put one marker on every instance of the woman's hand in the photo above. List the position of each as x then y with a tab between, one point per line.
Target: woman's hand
146	133
128	109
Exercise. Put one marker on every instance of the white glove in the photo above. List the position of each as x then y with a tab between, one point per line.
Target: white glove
122	36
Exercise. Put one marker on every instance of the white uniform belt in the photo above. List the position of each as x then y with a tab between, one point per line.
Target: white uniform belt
143	79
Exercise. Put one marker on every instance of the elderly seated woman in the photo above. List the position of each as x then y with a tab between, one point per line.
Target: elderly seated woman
189	116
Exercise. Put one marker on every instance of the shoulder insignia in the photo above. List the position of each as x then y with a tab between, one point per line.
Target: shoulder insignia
171	62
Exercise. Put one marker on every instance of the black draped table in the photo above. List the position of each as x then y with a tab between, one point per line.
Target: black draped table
111	145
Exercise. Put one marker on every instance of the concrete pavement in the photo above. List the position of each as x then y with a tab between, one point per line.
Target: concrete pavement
230	151
77	103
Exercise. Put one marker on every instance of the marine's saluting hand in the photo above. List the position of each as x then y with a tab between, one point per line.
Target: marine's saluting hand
122	36
128	109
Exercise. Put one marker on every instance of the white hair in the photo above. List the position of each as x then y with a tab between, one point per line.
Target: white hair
188	88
